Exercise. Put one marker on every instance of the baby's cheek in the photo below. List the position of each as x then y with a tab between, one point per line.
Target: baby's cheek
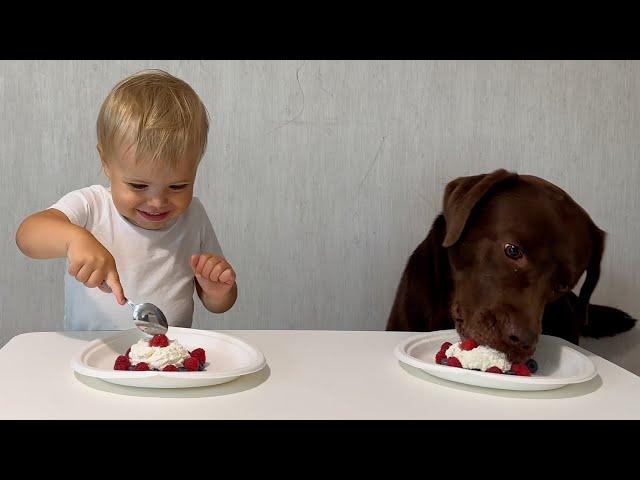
183	200
125	200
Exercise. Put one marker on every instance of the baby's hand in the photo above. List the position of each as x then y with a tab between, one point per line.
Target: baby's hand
92	264
214	274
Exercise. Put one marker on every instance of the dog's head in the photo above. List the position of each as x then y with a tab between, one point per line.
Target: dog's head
515	243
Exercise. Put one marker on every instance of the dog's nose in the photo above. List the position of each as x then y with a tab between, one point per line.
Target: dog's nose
520	336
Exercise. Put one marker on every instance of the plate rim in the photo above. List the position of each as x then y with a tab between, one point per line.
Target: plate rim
79	366
400	352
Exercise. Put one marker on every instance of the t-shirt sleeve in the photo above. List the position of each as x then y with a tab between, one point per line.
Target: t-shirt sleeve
208	239
77	205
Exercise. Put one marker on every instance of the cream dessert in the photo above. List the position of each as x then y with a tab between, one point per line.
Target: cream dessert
158	357
469	355
160	353
479	358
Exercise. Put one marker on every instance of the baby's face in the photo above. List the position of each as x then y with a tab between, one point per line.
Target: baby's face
150	196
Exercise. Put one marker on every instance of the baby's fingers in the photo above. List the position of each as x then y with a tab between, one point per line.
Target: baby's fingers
228	276
208	269
113	280
84	273
95	279
74	268
202	261
220	267
194	262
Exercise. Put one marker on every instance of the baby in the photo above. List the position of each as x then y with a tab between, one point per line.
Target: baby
146	236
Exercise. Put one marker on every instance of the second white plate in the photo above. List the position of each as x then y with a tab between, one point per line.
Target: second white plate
559	364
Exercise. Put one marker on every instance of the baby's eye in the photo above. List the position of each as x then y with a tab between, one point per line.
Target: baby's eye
178	187
137	186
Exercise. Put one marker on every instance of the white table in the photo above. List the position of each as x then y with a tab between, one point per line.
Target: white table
310	375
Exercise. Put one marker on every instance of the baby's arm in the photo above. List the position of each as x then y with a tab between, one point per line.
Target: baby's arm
47	234
50	234
215	282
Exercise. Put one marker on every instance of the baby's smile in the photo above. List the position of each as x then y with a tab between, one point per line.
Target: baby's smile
154	216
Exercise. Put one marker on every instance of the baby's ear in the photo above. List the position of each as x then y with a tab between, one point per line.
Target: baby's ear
105	167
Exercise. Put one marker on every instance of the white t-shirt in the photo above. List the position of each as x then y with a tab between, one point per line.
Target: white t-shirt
154	265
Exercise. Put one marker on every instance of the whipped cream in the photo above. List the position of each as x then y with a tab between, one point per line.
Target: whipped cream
481	357
158	357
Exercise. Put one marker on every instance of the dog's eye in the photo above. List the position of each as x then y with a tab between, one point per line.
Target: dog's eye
513	251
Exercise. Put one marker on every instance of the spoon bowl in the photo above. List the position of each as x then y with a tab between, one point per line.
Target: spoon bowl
146	316
149	318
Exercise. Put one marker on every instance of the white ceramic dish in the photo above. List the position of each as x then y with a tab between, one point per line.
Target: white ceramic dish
559	364
227	359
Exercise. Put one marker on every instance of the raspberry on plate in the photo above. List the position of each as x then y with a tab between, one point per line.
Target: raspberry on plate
159	341
521	369
468	344
199	354
122	363
191	364
454	362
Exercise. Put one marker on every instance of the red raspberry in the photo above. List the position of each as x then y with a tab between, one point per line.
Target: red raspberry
493	370
468	344
444	346
159	341
454	362
127	352
141	367
199	354
122	363
170	368
521	369
439	356
191	364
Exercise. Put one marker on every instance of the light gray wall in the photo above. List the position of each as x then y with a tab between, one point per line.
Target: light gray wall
322	176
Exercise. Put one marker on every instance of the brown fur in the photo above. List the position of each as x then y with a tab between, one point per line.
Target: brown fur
460	275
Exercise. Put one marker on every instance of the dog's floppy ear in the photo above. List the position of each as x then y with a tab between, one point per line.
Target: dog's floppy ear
593	272
461	195
567	316
422	297
598	320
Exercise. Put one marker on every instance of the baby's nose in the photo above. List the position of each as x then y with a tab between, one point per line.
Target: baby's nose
156	202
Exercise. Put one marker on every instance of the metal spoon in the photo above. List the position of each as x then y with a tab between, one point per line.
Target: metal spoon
146	316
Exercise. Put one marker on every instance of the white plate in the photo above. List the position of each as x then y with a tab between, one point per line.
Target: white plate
559	364
227	359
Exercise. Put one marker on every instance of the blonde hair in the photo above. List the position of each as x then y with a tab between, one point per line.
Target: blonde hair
157	114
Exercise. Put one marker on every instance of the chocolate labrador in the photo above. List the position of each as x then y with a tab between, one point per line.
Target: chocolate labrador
499	265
